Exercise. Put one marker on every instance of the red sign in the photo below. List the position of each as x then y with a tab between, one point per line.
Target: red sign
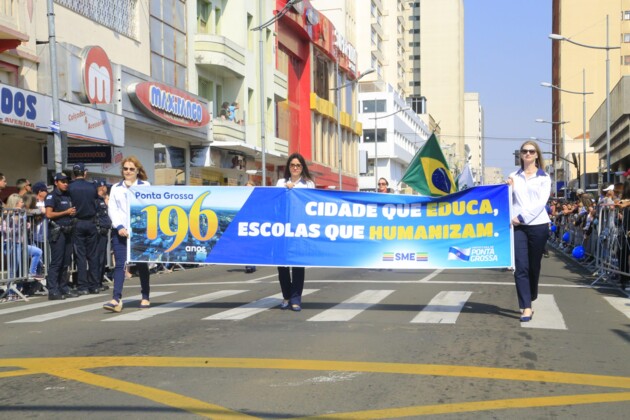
170	105
98	77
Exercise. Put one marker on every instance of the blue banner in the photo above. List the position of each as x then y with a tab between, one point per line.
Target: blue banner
320	228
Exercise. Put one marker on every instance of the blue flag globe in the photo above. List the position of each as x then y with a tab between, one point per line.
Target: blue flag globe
441	181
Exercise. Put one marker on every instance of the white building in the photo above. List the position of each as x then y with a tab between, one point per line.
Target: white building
399	130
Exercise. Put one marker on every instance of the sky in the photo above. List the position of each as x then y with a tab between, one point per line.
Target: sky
507	56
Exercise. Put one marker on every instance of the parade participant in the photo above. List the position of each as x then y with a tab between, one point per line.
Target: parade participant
103	228
84	237
134	176
531	188
60	213
3	185
291	279
383	186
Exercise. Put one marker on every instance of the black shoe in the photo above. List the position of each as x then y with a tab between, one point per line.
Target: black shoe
94	291
104	287
82	292
70	294
56	297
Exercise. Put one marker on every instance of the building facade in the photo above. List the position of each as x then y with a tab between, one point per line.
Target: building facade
473	132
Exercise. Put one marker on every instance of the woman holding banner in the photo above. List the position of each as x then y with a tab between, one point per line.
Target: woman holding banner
531	188
296	175
134	176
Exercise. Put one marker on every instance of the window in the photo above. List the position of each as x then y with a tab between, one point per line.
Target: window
168	41
368	105
626	60
321	78
368	135
626	37
625	15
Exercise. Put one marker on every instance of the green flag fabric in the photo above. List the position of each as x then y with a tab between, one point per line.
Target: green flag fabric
428	172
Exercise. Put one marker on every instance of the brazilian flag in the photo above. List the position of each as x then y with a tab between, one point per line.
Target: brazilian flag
428	172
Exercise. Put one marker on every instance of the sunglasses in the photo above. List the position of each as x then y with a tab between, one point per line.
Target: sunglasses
528	151
296	165
382	183
125	168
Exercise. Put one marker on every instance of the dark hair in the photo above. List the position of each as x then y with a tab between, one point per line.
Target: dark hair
626	190
540	162
287	169
20	183
386	181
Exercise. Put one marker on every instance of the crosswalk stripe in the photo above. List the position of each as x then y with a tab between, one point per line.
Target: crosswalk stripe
547	314
174	306
257	306
444	308
27	307
78	310
352	307
620	304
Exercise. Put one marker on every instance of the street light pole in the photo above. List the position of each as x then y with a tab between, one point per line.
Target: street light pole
583	93
540	120
557	37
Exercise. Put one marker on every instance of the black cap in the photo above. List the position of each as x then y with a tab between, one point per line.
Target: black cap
39	187
60	176
78	167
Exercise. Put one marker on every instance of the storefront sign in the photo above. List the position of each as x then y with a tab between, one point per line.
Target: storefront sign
98	77
86	154
86	123
24	109
169	105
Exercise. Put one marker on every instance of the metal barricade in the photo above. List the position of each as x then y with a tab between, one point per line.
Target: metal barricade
14	250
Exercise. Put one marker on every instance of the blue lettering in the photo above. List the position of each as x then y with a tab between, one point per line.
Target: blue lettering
7	101
19	104
31	112
399	256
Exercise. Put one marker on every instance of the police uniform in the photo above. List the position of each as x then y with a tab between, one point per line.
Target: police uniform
60	240
84	195
103	227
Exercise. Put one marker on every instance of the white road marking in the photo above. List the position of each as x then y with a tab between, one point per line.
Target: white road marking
430	276
620	304
352	307
174	306
547	314
26	307
444	308
79	310
252	308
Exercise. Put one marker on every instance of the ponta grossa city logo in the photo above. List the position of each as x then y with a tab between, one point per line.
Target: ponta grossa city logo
98	76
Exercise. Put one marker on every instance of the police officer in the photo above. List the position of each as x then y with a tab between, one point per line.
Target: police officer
60	213
84	239
103	227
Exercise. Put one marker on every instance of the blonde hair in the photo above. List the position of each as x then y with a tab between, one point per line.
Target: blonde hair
141	172
13	200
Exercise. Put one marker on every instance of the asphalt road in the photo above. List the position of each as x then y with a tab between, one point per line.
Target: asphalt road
367	344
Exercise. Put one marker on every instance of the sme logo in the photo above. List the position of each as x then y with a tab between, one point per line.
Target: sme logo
406	256
97	76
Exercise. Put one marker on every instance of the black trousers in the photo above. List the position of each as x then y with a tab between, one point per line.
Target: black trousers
529	245
60	259
84	240
292	283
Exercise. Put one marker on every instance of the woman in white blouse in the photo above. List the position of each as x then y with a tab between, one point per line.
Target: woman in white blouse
531	188
134	176
296	175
